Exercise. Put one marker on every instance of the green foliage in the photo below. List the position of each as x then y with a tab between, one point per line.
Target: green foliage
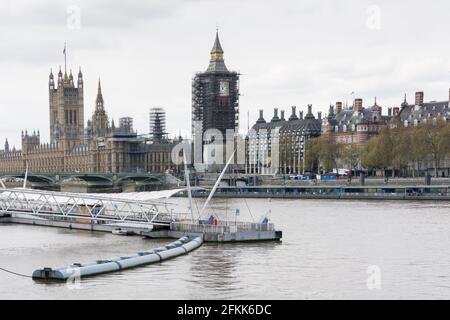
397	147
326	152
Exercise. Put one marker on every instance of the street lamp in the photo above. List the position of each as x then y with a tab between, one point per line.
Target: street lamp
303	149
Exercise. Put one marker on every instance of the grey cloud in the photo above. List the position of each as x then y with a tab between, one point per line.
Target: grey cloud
290	52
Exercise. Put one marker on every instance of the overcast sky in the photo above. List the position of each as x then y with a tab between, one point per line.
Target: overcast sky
289	53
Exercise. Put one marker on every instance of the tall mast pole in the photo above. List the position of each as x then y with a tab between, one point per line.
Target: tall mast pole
216	184
65	59
188	184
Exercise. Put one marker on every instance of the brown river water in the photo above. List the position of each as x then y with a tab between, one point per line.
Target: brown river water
329	251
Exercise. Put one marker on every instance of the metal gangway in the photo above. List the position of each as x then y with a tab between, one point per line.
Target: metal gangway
90	208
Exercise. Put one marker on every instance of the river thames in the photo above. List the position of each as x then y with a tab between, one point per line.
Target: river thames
328	247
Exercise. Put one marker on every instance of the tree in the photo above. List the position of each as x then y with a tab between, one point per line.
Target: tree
312	154
377	152
328	152
350	155
435	137
401	141
418	149
398	147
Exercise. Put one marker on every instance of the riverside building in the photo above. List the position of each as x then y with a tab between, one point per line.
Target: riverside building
100	147
284	135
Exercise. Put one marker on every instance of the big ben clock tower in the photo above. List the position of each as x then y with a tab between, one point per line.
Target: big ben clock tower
215	95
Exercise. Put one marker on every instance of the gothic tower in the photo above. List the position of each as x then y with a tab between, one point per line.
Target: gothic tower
66	110
215	95
6	146
158	125
100	124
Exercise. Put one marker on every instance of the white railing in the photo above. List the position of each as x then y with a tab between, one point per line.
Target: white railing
221	227
89	209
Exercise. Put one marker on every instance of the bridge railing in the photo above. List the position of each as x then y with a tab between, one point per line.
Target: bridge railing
221	227
198	228
85	208
249	226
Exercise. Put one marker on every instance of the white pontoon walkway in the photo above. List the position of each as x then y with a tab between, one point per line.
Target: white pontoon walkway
140	208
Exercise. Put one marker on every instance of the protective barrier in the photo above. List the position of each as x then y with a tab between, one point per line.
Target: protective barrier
174	249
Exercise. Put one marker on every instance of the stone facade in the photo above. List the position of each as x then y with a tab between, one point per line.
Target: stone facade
282	135
100	147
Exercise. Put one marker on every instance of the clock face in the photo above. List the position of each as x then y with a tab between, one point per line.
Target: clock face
224	89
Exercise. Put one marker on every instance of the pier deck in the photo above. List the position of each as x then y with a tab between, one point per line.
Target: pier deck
224	231
150	218
435	192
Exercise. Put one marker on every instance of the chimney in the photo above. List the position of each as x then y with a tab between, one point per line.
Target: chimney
294	114
261	117
419	98
275	115
319	115
396	111
448	95
338	107
282	115
301	115
331	112
390	112
309	108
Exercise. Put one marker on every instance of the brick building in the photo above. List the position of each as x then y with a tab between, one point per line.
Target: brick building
356	124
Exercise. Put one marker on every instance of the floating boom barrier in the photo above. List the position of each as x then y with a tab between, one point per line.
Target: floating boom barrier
77	270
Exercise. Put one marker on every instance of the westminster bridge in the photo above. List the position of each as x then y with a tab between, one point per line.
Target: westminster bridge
94	181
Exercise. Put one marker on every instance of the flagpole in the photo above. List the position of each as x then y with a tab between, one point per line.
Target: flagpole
65	59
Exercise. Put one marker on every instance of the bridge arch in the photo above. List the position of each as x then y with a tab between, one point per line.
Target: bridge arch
90	179
141	178
32	178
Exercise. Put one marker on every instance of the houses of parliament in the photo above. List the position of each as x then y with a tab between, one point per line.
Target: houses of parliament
104	147
100	146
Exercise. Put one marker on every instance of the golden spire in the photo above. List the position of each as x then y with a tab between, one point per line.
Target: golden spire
217	51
